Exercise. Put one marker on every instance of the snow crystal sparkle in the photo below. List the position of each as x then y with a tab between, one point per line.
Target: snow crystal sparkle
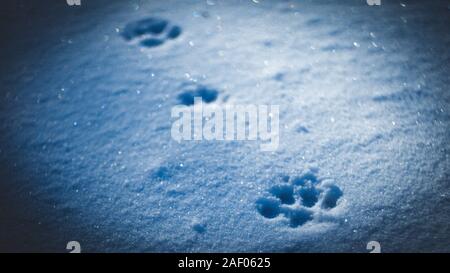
242	122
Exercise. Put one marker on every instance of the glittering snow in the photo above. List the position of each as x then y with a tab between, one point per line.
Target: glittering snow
86	151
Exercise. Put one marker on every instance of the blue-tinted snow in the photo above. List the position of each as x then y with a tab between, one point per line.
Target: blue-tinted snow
85	143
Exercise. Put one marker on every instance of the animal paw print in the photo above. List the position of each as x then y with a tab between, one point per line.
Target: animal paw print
299	198
151	32
207	95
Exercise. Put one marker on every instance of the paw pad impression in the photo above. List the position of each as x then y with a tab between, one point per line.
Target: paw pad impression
299	198
151	32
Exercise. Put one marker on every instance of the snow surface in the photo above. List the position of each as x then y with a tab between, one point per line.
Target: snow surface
85	145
